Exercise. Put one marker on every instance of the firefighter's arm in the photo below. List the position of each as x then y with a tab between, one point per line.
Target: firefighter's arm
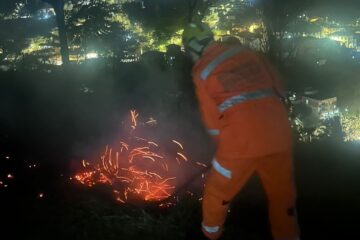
209	112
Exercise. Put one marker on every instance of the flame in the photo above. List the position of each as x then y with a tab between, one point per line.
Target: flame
135	169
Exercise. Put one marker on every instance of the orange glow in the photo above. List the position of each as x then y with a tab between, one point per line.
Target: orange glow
136	169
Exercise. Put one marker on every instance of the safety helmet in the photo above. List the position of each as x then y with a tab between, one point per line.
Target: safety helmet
196	37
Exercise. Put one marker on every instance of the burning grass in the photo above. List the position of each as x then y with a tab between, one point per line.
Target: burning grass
138	169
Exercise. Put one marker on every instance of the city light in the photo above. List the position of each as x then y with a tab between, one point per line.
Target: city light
351	126
92	55
46	16
253	27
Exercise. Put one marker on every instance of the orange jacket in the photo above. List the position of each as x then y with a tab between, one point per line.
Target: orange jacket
253	127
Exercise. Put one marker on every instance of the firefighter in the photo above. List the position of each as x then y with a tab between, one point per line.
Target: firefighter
239	97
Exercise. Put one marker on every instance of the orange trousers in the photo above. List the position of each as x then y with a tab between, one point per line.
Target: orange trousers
227	178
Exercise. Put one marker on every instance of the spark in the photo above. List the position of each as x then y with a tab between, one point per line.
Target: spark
131	177
180	145
151	121
125	145
183	156
201	164
166	167
148	157
134	116
152	143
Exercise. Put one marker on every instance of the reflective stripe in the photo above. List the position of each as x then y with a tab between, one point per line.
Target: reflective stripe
220	169
220	59
214	132
244	98
210	229
193	44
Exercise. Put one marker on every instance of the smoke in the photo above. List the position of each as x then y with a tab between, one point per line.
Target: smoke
63	117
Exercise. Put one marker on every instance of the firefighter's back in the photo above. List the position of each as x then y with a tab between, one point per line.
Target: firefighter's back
254	121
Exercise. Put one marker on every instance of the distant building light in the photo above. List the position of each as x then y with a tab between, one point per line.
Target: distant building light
128	37
128	60
57	62
25	16
92	55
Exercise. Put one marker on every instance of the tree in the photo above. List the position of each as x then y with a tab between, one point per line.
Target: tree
351	126
91	27
7	6
167	17
278	14
58	6
197	9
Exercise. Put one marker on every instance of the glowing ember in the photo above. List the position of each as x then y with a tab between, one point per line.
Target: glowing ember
136	169
32	166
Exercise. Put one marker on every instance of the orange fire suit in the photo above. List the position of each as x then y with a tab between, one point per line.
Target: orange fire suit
239	98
